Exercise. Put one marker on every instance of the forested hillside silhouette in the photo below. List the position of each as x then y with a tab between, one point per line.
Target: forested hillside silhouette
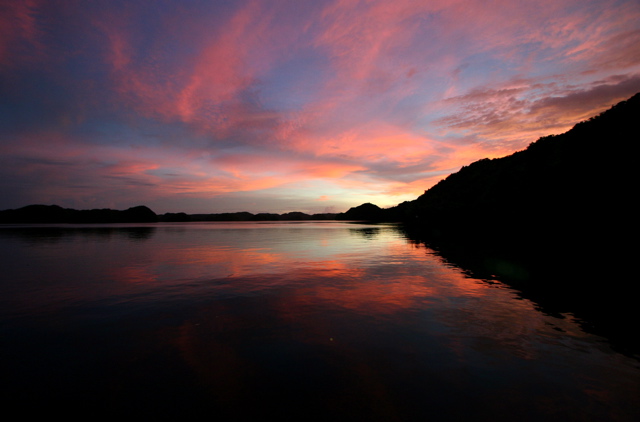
560	186
578	183
580	180
557	215
556	220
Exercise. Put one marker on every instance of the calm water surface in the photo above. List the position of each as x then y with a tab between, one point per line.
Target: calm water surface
312	320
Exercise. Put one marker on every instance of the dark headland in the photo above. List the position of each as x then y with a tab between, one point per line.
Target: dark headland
557	220
560	186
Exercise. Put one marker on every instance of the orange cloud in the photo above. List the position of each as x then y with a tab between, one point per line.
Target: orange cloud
356	99
510	119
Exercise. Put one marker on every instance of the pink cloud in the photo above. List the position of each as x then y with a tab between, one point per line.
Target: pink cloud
18	28
207	86
513	117
367	43
376	97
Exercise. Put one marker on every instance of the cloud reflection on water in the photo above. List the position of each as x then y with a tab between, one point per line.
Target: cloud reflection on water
311	319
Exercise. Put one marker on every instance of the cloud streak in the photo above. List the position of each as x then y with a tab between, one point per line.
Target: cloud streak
269	106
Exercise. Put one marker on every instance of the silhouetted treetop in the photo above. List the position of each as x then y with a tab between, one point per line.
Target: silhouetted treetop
585	172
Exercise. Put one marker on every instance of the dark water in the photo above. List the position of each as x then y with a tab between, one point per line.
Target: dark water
315	321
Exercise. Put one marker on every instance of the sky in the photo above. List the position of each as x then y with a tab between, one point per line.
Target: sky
291	105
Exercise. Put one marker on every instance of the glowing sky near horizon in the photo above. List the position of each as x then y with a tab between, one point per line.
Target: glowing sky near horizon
282	105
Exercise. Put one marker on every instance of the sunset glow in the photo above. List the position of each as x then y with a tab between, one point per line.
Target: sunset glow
281	105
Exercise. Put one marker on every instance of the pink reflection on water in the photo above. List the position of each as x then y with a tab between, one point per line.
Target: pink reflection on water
343	319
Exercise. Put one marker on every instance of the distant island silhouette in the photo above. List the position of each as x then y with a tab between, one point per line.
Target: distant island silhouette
559	186
54	214
555	220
